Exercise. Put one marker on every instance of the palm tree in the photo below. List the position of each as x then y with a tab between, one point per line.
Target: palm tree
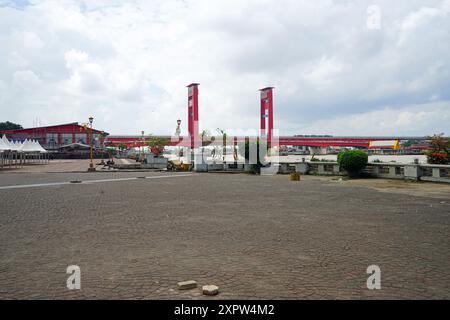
205	136
224	144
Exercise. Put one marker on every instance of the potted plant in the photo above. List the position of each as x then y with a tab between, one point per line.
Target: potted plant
156	146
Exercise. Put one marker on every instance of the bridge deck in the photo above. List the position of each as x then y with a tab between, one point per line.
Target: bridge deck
136	141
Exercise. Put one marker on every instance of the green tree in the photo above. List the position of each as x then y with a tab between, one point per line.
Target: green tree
224	142
353	161
10	126
205	136
409	143
157	145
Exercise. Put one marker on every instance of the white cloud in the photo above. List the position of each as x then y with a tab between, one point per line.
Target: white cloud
324	72
26	80
128	62
388	121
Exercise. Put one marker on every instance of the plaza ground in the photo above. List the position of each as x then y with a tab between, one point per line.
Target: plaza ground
255	237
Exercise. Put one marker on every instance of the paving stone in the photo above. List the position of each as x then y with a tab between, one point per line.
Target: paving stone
210	290
186	285
136	239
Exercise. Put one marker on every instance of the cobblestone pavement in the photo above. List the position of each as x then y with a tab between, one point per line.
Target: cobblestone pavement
254	237
74	165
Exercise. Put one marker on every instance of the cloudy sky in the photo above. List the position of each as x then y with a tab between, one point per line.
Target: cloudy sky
340	67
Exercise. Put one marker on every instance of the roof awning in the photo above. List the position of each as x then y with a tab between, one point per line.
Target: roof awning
75	146
389	144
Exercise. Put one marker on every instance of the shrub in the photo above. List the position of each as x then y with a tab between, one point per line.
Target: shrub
157	145
438	158
353	161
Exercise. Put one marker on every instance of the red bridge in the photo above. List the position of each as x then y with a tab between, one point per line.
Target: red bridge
266	129
322	142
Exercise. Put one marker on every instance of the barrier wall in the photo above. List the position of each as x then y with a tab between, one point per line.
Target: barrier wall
415	172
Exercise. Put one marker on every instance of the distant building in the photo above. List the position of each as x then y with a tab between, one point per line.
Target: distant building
59	136
385	145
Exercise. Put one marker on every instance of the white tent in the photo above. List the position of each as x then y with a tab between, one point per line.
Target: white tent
17	145
6	142
27	147
13	153
4	146
39	147
8	152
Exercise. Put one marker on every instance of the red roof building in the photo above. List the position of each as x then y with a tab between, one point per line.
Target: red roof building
55	137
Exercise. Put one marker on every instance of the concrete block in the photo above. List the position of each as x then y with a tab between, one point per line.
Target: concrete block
302	167
321	168
392	172
336	169
201	167
210	290
186	285
436	172
284	168
270	171
412	172
215	166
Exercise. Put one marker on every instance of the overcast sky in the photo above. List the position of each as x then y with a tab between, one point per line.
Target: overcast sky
343	67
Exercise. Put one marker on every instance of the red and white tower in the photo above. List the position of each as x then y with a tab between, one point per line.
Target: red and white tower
193	115
267	114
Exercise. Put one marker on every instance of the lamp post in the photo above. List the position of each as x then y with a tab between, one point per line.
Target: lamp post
91	164
102	146
142	147
177	134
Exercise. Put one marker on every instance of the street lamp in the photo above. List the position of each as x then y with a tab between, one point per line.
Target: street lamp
102	146
91	164
142	148
177	134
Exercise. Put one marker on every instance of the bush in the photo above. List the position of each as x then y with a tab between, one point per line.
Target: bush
353	161
157	145
438	158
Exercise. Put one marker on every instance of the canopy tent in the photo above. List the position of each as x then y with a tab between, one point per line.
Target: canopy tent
14	153
8	144
15	145
76	145
8	154
39	147
4	146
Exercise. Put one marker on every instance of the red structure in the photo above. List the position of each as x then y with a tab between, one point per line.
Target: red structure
193	114
266	127
54	137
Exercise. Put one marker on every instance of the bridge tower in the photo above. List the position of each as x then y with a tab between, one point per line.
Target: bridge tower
193	128
266	128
